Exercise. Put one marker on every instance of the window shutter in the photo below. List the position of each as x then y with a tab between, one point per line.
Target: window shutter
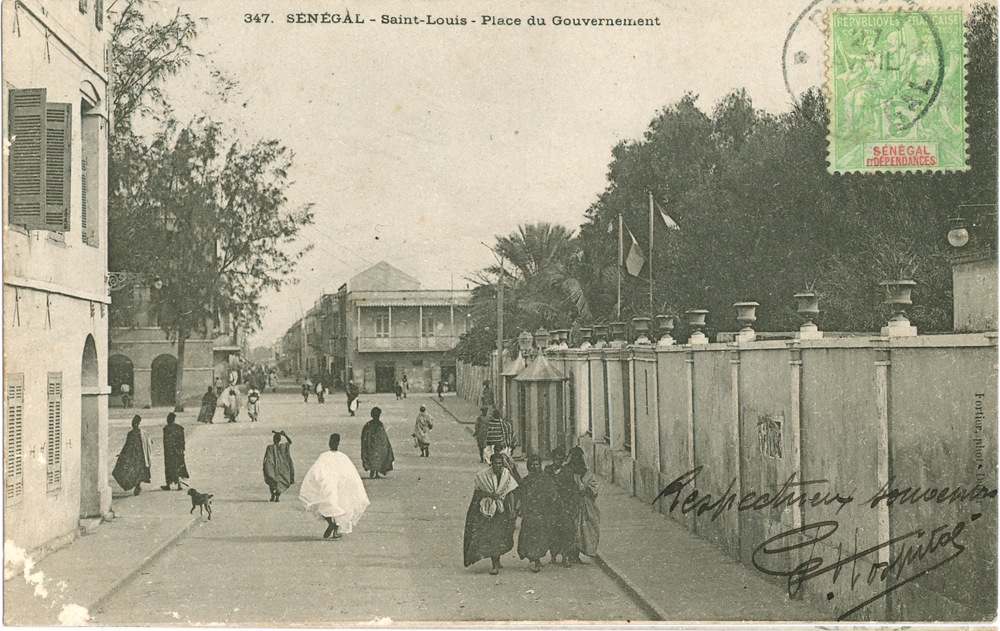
13	445
83	6
58	144
99	14
26	163
84	194
53	452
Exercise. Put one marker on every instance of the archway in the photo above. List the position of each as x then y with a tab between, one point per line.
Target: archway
163	381
90	431
120	372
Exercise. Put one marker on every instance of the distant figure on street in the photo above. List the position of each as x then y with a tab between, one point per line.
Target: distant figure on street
209	401
440	390
486	397
253	404
489	522
231	405
376	451
481	422
406	385
422	432
499	434
132	468
587	517
320	390
307	387
352	397
272	381
399	391
537	494
173	453
333	490
126	391
279	470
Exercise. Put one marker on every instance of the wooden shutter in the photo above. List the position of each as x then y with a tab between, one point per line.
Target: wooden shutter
84	226
53	451
99	14
58	146
13	445
26	163
83	6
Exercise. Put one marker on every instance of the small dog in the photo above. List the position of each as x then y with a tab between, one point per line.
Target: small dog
201	501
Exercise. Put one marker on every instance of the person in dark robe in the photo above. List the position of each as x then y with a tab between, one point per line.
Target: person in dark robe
174	467
279	470
537	497
352	396
209	401
376	451
489	522
481	422
587	517
564	509
440	391
132	468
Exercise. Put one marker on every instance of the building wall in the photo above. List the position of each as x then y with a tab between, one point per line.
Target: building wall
975	283
54	289
142	346
829	424
423	370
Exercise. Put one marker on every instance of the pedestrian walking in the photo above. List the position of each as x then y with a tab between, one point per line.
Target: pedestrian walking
565	509
588	516
132	468
320	391
422	432
174	467
486	399
490	520
332	489
376	450
352	397
209	401
406	386
481	422
399	390
126	391
253	404
499	434
272	381
537	498
231	405
307	387
279	470
440	390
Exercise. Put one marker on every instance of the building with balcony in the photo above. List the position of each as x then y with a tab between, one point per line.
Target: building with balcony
379	327
55	106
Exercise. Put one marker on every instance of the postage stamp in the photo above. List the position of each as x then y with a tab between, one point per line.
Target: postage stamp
896	85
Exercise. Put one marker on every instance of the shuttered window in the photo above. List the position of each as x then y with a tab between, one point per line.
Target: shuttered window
84	225
13	443
39	168
53	451
99	14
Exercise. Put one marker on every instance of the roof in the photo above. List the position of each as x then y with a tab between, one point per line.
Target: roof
383	277
418	298
540	370
513	366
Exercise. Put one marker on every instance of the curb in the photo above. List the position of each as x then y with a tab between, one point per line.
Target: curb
634	591
451	414
101	600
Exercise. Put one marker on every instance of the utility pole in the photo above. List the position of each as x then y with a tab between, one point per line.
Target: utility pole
498	383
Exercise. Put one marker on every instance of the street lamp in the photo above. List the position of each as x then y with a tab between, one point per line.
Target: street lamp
958	235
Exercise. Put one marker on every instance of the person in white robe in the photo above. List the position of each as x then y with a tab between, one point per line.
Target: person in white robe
333	490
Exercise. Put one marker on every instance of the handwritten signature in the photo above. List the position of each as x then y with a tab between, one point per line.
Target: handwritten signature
916	546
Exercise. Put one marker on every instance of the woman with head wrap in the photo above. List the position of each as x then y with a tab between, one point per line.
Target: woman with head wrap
489	522
537	495
376	451
588	517
132	468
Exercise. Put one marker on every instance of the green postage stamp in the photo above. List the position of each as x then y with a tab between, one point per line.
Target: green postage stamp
896	84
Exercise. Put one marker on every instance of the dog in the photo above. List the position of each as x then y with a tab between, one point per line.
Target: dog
201	501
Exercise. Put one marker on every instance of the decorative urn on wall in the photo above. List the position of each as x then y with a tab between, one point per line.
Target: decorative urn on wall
746	315
808	309
640	326
664	326
586	333
600	335
561	338
696	320
618	334
898	298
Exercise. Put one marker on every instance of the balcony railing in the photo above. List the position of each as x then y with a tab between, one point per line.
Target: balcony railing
406	343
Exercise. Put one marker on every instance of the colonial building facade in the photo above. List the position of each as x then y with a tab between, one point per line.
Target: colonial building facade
55	317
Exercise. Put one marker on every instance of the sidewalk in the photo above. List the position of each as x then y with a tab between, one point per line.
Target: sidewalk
143	527
673	574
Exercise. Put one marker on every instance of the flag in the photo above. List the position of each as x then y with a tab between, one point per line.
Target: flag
667	220
635	260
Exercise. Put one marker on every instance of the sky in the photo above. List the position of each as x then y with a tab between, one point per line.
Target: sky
416	144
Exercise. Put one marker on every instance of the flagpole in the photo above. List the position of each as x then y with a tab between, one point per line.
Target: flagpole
618	306
651	314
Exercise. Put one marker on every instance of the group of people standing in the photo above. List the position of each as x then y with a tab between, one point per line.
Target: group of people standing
557	506
134	460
